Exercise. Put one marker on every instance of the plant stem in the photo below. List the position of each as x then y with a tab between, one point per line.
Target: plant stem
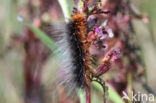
88	95
65	8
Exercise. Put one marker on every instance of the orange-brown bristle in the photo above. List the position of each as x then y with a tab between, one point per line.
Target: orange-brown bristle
81	22
81	26
80	47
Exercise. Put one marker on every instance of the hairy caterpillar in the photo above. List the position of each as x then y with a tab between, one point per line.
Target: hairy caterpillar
77	36
75	42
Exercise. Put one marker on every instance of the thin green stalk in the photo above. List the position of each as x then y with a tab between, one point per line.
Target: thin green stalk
112	94
65	8
82	95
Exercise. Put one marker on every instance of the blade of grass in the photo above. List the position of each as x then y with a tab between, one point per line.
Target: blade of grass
43	37
113	95
65	8
82	96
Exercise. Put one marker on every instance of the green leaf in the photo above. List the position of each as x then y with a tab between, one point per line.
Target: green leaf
43	37
112	94
82	96
66	9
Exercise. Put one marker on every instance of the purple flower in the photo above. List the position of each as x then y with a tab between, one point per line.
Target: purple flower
99	32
